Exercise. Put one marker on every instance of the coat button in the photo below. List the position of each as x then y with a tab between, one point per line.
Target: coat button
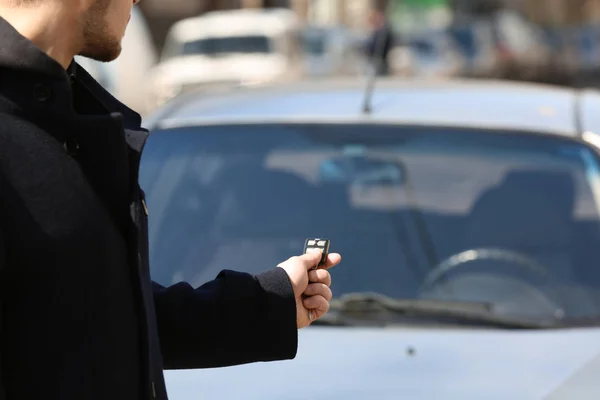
42	93
71	145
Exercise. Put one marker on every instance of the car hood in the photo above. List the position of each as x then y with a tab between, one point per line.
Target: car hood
405	363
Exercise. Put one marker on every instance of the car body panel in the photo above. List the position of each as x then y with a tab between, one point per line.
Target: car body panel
589	115
400	362
582	385
480	104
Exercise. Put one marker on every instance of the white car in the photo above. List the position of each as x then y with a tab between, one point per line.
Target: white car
331	51
467	215
224	49
428	54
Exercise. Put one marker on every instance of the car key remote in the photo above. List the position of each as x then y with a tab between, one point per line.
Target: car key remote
320	244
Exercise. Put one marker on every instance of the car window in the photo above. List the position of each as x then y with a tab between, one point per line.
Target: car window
228	45
314	43
396	202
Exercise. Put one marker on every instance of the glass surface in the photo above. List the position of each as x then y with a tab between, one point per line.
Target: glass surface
228	45
397	202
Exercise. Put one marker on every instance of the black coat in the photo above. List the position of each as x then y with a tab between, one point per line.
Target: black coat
81	318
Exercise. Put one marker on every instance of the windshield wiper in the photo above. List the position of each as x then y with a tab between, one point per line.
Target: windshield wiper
354	307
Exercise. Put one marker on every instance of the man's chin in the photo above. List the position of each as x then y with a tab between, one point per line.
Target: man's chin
104	55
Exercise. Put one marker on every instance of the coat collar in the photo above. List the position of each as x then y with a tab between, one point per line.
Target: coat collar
19	53
131	119
102	134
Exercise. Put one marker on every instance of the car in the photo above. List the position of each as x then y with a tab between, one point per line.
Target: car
467	214
220	50
576	50
478	46
430	54
503	45
331	51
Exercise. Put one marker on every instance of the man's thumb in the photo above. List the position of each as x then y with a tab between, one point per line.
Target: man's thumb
311	258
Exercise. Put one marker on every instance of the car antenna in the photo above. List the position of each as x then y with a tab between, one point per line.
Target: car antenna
376	63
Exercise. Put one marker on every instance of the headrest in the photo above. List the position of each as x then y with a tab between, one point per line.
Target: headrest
529	209
558	185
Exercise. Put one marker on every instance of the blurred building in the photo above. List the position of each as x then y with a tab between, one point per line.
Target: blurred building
353	14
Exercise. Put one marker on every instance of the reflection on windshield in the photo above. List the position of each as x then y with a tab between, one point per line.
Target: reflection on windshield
506	219
227	45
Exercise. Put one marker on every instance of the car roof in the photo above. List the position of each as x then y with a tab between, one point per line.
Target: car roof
454	102
233	22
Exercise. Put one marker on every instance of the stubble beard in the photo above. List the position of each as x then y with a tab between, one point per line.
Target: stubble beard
99	44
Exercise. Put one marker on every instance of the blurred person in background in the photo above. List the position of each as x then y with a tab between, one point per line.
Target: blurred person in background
380	42
81	317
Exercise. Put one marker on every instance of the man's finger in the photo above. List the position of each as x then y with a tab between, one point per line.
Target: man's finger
318	304
318	289
320	276
333	259
311	258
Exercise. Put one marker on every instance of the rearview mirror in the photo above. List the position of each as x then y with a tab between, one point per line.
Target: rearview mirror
363	170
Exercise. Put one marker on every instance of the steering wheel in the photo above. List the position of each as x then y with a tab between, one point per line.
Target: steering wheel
463	258
473	256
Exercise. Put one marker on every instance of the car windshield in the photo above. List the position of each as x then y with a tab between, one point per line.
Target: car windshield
452	214
228	45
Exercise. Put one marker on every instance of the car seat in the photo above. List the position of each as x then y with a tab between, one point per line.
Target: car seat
529	212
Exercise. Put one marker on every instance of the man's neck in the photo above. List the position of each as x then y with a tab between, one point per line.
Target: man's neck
49	27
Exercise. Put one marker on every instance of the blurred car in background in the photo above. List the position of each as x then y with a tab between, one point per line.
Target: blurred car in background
504	45
475	43
576	49
587	45
227	49
330	52
125	78
467	215
427	54
522	52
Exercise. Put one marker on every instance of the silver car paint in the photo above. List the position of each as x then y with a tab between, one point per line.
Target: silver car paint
376	363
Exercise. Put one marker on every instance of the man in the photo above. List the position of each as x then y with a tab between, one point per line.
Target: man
381	42
80	317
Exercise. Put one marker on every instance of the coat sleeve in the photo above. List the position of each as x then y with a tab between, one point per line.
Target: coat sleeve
235	319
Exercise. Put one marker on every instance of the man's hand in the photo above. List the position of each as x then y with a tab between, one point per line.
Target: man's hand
311	287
